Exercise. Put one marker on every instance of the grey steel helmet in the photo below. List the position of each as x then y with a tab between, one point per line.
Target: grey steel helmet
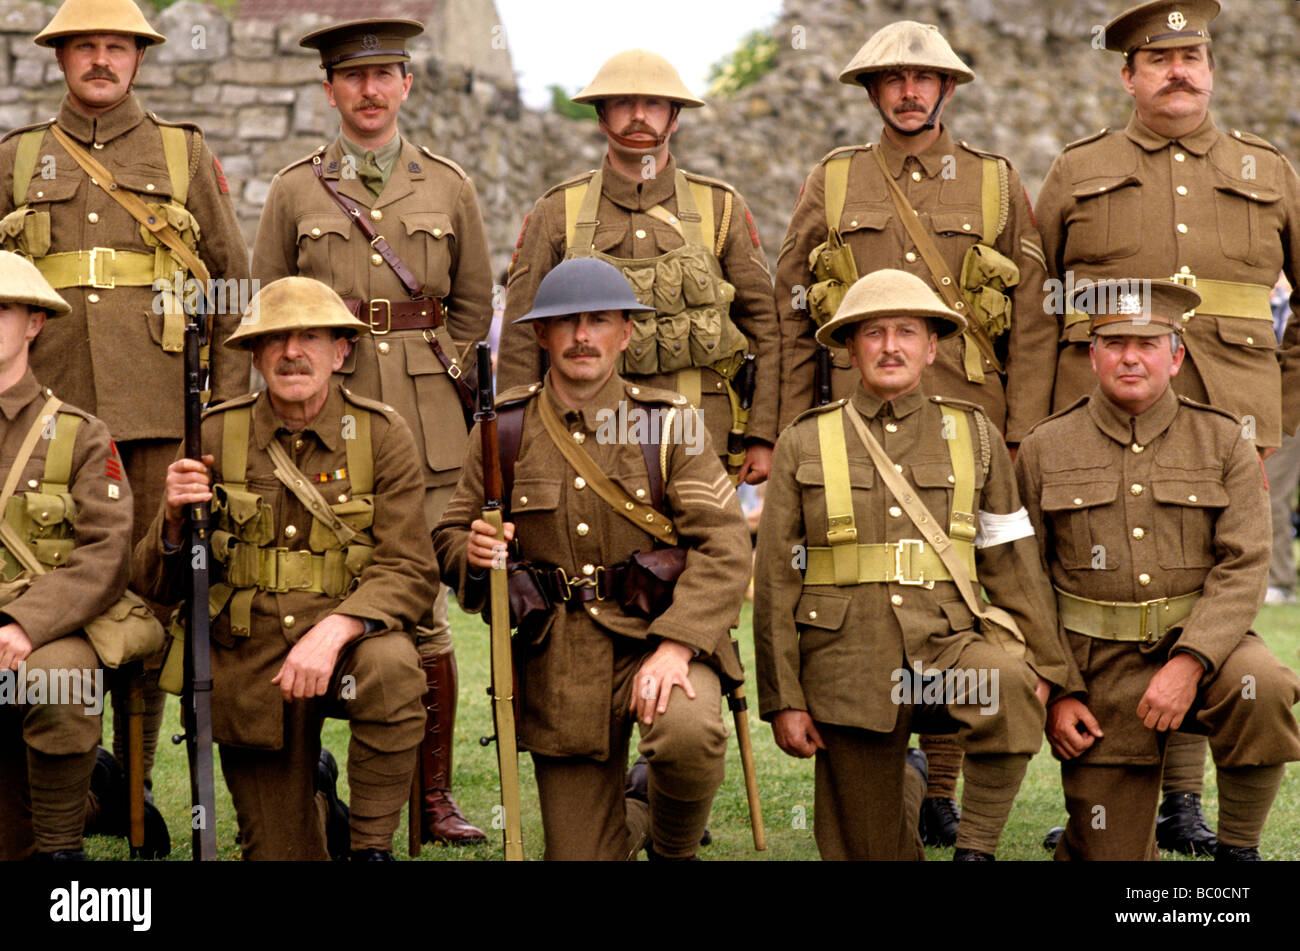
582	285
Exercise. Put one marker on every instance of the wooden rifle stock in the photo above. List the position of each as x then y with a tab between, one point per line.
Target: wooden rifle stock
503	710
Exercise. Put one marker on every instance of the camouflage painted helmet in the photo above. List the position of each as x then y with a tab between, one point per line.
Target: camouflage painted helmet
638	73
889	293
22	283
98	16
902	45
292	303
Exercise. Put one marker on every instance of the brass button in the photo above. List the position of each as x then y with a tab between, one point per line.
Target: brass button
910	256
382	346
579	483
640	493
1136	448
1182	228
965	226
376	260
297	444
288	620
1144	579
40	194
583	528
1135	488
1179	157
579	438
1181	189
343	496
32	483
1191	498
595	610
1138	532
916	176
376	214
1078	501
437	232
896	599
1184	270
1250	340
93	298
99	145
812	615
640	232
891	427
315	232
629	506
588	569
149	187
635	391
853	223
523	500
897	467
290	531
92	217
895	511
952	480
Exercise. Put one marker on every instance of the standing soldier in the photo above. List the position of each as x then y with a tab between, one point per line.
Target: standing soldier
1172	195
48	747
688	246
424	289
1154	519
317	591
117	207
585	501
864	605
972	239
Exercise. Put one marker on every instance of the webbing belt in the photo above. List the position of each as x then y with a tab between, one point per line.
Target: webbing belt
1142	622
101	268
909	561
1218	299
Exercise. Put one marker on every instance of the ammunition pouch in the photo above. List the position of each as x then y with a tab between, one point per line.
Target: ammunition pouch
835	271
986	276
26	231
642	586
530	605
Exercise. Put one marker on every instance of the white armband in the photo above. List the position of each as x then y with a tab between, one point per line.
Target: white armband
1000	529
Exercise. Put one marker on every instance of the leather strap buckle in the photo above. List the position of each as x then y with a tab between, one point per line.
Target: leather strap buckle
95	282
388	316
1187	280
903	573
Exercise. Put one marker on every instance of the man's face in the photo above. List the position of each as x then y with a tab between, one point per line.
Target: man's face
297	364
19	325
584	347
907	96
891	352
99	68
368	99
1170	85
641	118
1134	371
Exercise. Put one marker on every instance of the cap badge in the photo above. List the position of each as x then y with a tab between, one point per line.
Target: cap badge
371	42
1177	21
1129	304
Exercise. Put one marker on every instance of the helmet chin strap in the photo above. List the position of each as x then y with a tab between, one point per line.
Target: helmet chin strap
931	121
628	143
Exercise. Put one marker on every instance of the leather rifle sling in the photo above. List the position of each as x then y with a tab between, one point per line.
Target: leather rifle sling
943	278
934	535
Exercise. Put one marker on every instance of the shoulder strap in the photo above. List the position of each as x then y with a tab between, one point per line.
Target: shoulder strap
695	202
307	494
961	450
1014	641
43	418
29	147
580	224
841	532
177	154
994	196
361	454
58	458
837	189
234	445
639	514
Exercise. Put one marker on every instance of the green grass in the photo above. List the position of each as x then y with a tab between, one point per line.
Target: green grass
784	782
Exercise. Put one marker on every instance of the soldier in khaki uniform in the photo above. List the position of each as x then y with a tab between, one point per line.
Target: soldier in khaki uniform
426	209
852	596
120	347
313	617
47	747
587	666
972	209
1172	195
688	246
1154	518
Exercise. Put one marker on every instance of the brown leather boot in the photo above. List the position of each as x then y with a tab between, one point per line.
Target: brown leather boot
440	818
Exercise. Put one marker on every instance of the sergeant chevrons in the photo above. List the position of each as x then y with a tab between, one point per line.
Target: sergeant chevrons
945	184
1211	206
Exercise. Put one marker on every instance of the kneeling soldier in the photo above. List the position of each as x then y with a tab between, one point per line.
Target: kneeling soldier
865	606
66	500
1155	522
319	588
598	473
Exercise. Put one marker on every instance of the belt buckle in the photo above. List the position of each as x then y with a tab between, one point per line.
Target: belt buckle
568	584
388	316
899	547
94	261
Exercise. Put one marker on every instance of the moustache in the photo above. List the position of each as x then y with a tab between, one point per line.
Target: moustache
289	367
910	105
1182	85
581	352
100	72
369	104
639	127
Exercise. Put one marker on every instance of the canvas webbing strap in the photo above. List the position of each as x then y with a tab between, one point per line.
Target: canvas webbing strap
841	532
992	189
962	527
307	494
177	154
837	188
29	149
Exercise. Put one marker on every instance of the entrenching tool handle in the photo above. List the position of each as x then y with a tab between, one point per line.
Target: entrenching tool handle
739	708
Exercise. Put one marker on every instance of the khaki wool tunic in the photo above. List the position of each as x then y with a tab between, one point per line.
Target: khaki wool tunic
943	184
1129	203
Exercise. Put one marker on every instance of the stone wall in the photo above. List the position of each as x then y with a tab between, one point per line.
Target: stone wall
1039	85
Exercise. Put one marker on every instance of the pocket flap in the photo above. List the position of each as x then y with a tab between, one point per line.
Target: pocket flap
811	473
535	495
1197	493
1101	186
1245	332
434	223
932	475
317	226
420	358
59	188
1249	191
45	510
821	609
148	182
957	222
1067	496
864	219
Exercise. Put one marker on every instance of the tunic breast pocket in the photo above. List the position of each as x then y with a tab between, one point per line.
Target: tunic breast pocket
1188	511
323	251
1074	509
431	233
532	508
1106	223
812	484
1242	213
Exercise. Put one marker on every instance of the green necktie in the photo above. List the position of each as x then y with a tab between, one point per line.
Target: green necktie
371	175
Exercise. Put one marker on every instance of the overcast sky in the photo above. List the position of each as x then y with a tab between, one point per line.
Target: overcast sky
565	41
